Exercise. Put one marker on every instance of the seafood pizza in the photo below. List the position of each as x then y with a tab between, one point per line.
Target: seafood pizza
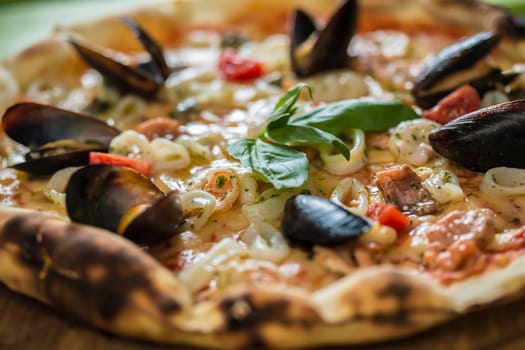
278	174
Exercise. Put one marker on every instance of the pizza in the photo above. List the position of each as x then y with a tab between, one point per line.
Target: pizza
267	173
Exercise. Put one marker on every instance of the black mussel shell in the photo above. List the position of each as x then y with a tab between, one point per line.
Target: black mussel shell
330	50
158	62
484	139
163	217
34	125
122	200
512	25
314	220
144	78
57	138
460	56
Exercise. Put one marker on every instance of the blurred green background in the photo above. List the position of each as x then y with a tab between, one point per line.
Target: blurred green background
25	22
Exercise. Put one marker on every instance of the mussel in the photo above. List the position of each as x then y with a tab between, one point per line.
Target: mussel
455	66
56	137
142	78
484	139
315	220
314	51
122	200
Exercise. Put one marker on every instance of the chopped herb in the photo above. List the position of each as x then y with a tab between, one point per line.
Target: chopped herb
233	39
274	79
97	106
185	110
221	180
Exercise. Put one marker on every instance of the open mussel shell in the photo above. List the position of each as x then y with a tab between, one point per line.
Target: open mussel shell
122	200
56	137
142	78
157	65
314	220
34	125
512	25
454	66
484	139
329	48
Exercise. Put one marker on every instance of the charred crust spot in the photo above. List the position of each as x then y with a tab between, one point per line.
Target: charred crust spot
20	230
168	305
396	288
400	316
239	313
112	291
247	315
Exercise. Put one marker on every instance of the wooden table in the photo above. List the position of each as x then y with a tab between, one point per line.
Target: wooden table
27	325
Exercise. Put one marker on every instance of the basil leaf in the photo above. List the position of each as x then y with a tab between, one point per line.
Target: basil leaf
280	165
291	96
284	108
242	150
365	115
299	134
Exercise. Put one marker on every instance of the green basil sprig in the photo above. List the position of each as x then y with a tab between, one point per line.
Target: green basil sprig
272	155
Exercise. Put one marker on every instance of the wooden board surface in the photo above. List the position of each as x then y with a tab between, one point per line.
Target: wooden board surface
27	325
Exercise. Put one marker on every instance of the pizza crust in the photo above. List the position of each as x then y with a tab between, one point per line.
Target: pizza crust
108	282
124	291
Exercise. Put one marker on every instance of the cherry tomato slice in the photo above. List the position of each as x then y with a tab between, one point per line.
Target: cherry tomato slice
459	102
235	68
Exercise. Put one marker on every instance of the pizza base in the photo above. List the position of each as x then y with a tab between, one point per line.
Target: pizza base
124	291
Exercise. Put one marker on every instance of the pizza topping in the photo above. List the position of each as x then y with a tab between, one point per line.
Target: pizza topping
57	138
314	220
487	138
265	242
122	200
131	144
141	166
455	66
142	78
389	215
402	187
200	272
351	195
337	164
224	185
456	239
409	141
198	206
459	102
169	155
503	181
442	184
460	226
236	68
159	128
233	39
272	156
314	51
55	189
